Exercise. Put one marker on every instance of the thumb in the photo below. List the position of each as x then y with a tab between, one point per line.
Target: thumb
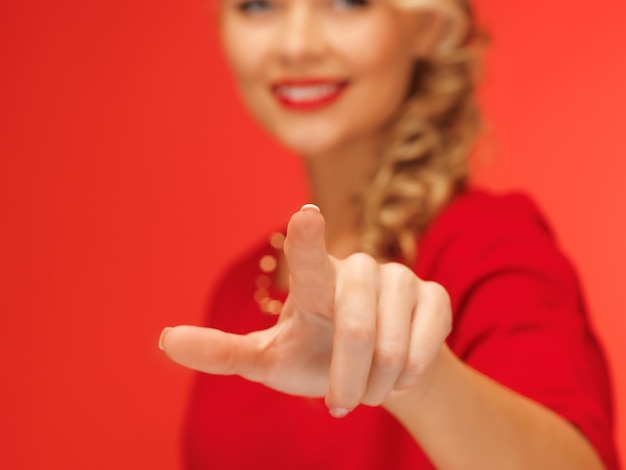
213	351
311	271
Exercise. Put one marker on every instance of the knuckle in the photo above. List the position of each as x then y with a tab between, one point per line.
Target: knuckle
437	293
416	366
443	306
390	355
354	328
229	359
361	260
398	269
400	275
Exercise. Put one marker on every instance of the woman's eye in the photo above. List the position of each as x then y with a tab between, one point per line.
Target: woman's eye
350	4
254	7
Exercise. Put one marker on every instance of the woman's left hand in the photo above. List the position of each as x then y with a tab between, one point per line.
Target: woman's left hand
352	330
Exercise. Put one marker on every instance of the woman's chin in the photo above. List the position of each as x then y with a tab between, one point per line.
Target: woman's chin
311	145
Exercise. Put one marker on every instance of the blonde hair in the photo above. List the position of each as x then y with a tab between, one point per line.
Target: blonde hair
425	160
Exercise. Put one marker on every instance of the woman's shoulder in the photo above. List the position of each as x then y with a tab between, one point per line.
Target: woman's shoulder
481	233
519	311
476	218
481	211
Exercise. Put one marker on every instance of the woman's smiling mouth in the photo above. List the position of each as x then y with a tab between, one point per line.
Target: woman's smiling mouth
308	94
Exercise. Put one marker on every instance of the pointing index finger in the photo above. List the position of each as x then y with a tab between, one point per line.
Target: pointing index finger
311	272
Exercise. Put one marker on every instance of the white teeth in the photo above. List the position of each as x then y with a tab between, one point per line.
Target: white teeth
306	93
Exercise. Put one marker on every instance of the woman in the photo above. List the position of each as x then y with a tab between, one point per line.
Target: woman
377	97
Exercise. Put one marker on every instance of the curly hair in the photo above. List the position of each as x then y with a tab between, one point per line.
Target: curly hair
425	160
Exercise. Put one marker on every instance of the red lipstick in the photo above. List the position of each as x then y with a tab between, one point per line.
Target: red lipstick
308	94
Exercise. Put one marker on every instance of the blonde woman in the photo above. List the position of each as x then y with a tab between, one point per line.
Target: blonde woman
406	320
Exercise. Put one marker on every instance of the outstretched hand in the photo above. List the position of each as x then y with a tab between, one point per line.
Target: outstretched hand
352	330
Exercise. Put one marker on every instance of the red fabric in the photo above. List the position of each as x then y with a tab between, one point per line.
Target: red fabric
519	318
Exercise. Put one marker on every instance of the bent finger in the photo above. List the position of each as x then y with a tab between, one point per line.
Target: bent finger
396	304
432	323
355	332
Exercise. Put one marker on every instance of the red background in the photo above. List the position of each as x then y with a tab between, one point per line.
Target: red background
129	175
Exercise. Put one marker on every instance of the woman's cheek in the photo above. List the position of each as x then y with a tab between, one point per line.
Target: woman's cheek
245	49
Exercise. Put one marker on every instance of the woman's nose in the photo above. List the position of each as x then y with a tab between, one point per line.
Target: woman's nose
302	35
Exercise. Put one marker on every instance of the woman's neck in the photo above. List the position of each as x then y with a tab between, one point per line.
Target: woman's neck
337	179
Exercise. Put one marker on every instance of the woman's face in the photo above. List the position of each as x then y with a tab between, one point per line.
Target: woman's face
321	74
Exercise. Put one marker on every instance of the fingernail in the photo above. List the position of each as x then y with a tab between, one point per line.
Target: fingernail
339	412
162	337
308	207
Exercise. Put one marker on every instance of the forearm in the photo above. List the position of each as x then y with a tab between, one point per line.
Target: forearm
464	420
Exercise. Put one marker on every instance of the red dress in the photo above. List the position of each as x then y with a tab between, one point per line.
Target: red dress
519	318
